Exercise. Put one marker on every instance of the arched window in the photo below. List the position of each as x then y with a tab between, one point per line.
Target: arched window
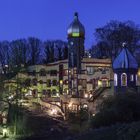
115	79
124	79
131	77
136	79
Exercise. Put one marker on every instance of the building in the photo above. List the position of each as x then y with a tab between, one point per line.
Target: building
73	80
125	69
81	81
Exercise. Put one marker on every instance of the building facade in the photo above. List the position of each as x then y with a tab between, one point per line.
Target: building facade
80	80
125	69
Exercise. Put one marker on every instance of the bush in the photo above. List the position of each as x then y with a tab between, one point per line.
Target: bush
79	117
121	108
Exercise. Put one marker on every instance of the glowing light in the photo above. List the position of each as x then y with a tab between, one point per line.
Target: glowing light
75	34
10	97
70	105
139	73
53	112
131	77
90	95
57	94
115	79
93	115
5	132
124	79
85	106
61	82
86	95
99	83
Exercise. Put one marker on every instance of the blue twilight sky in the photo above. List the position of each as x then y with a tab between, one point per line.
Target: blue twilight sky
49	19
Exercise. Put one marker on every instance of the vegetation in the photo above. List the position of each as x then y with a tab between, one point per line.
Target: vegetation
121	108
111	36
31	51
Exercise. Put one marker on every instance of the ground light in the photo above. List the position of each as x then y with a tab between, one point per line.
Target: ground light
53	112
86	95
5	131
93	115
70	105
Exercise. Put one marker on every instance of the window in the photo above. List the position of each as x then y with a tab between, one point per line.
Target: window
48	83
48	92
136	77
115	79
53	73
34	81
124	79
54	83
85	106
75	34
44	92
54	92
103	71
34	73
90	70
41	82
42	72
131	77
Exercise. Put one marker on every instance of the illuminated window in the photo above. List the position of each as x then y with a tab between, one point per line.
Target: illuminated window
75	34
99	83
115	79
131	77
85	106
124	79
136	79
61	82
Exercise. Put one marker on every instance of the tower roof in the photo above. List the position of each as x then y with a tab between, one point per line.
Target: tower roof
76	29
125	60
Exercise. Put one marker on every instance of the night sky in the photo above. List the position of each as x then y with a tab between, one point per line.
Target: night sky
49	19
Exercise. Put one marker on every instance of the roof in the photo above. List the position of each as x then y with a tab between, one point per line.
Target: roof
125	60
76	27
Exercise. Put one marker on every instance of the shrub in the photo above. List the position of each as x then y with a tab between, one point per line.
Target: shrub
121	108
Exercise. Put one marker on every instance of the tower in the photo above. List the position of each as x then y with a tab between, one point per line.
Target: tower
125	69
76	37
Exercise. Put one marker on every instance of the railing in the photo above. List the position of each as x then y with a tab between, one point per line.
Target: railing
97	93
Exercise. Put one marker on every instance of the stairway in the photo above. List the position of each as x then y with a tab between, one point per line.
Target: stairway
97	93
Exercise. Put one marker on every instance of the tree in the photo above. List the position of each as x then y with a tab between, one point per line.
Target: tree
121	108
49	51
19	52
115	33
4	55
65	51
34	45
101	50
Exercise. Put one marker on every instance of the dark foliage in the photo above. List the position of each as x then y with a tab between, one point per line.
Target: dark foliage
111	36
31	51
118	109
